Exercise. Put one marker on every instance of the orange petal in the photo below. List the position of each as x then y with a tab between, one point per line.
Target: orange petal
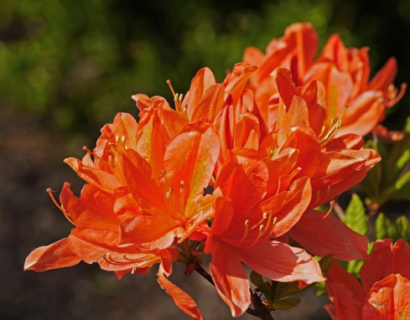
56	255
281	262
146	191
388	299
210	104
223	217
145	228
346	306
96	177
92	210
231	280
93	245
237	79
329	235
200	83
385	260
386	75
287	207
363	114
180	297
190	157
338	275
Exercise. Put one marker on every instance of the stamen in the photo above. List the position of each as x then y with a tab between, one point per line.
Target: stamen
170	86
334	127
245	234
95	156
261	227
117	139
332	203
168	194
123	140
133	270
182	189
273	152
60	207
177	104
264	216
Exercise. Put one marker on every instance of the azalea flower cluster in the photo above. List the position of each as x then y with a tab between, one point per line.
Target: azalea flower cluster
235	170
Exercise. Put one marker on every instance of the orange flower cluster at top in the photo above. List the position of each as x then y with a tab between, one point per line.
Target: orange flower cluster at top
225	173
343	72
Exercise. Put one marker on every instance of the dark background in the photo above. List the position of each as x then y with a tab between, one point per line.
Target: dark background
67	67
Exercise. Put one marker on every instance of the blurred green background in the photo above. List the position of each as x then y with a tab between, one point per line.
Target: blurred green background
66	68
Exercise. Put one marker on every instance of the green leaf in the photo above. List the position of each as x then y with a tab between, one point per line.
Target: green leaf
286	289
325	263
401	188
286	304
402	226
371	184
355	215
399	155
354	266
384	228
264	287
321	289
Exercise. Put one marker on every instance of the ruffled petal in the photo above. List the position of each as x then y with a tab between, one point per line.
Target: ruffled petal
53	256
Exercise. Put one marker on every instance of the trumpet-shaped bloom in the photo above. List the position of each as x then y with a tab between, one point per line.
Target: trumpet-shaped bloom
343	71
94	238
244	226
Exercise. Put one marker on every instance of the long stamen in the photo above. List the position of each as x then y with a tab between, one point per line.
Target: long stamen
109	259
273	152
332	203
95	156
256	225
182	189
245	234
260	233
170	86
59	207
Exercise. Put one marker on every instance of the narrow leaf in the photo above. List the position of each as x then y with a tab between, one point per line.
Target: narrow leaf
264	287
402	226
355	215
384	228
286	304
325	263
399	155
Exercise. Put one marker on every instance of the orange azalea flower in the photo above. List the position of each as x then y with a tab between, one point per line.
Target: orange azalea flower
386	288
173	204
299	145
138	203
344	73
95	238
244	225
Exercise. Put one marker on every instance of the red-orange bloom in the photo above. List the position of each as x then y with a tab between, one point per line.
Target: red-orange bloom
95	238
244	225
386	286
298	144
344	73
